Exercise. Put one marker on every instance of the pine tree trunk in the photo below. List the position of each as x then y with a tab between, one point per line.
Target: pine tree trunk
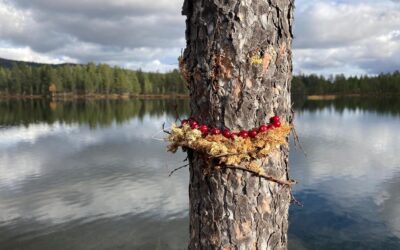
238	65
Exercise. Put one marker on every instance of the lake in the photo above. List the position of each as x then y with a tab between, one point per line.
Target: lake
94	175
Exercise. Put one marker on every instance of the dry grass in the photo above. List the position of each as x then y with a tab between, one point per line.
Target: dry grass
321	97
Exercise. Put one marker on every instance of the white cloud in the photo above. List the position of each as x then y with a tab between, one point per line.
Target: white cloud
11	19
28	55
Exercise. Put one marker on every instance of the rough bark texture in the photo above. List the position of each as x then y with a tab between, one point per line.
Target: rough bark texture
238	64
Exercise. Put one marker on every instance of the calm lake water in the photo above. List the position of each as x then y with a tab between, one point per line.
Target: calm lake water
94	175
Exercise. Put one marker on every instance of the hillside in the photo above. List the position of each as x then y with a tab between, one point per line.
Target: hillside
7	63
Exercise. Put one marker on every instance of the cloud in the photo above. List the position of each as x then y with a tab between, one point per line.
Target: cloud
27	54
108	23
102	8
340	36
115	32
354	38
330	25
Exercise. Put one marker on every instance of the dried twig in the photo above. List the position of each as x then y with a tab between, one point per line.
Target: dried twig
233	154
297	141
288	183
176	169
164	130
296	136
177	118
294	201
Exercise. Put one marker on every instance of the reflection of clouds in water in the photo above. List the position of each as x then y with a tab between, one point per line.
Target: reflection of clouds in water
349	157
25	149
14	169
388	201
93	198
82	173
136	128
85	173
13	135
349	146
145	129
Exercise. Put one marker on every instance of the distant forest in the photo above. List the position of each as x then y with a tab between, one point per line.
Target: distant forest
40	79
26	79
383	84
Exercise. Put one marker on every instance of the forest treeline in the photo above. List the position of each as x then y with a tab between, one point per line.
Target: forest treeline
24	79
27	79
383	84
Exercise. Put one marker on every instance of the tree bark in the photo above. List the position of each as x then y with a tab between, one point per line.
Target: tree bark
238	64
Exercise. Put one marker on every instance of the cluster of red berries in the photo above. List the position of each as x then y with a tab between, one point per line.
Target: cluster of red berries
205	130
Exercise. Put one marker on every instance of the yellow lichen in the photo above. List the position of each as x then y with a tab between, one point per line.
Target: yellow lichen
256	60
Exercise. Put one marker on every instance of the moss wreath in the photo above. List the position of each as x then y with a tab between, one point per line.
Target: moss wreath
236	150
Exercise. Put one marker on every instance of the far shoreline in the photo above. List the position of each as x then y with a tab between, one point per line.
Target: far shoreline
331	97
72	97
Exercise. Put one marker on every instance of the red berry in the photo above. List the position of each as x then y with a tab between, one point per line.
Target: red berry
195	126
244	134
215	131
184	122
204	129
193	123
227	133
277	124
275	119
253	133
263	128
270	127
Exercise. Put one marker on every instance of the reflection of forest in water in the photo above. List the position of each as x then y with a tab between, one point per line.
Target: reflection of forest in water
387	105
105	112
59	184
91	112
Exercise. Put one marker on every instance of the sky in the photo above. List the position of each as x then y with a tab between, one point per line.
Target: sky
354	37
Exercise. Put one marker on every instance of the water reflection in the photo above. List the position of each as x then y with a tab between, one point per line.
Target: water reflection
90	112
389	203
352	160
67	182
91	176
85	173
389	105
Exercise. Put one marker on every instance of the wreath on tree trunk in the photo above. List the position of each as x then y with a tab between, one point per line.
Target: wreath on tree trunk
232	149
